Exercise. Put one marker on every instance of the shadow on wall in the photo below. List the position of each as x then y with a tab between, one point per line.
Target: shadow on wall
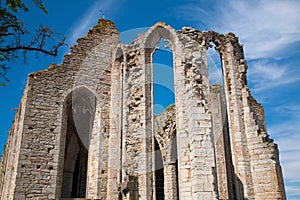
131	190
238	194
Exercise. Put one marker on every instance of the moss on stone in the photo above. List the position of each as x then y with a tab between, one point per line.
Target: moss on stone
170	107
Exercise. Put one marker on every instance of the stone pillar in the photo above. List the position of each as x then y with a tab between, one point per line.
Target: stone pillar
138	146
115	140
170	181
224	167
183	152
202	156
147	160
233	90
94	157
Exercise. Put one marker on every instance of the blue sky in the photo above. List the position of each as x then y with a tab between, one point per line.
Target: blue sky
269	30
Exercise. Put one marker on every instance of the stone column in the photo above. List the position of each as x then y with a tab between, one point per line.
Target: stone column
115	151
146	162
95	157
233	90
222	144
138	148
183	153
202	156
170	181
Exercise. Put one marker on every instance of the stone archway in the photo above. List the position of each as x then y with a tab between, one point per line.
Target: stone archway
79	115
166	175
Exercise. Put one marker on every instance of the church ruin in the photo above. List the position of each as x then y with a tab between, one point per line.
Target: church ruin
85	129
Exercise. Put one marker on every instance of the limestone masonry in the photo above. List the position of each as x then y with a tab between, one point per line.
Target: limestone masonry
85	129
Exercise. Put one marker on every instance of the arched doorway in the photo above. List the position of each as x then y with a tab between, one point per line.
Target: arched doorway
80	112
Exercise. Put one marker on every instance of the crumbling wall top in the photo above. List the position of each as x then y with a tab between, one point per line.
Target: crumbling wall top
78	52
104	27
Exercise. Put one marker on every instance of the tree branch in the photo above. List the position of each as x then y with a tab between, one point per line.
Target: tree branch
14	26
6	34
16	41
27	48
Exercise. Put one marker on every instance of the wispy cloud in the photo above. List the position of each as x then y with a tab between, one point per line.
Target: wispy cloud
289	109
90	17
293	191
267	28
290	166
265	75
214	67
287	134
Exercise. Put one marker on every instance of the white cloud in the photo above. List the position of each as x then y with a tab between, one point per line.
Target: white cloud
293	191
215	75
90	17
287	135
214	67
266	75
267	28
290	166
289	109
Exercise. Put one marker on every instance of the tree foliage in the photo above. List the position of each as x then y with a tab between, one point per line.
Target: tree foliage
16	40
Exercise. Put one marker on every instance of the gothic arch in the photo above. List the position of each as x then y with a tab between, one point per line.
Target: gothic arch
160	30
77	123
151	38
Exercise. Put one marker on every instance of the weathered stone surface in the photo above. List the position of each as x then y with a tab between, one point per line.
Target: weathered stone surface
86	128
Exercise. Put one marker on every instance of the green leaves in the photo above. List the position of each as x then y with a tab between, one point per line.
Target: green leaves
40	4
3	72
15	5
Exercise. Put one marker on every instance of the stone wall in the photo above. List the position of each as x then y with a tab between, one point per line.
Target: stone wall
3	165
10	158
40	162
